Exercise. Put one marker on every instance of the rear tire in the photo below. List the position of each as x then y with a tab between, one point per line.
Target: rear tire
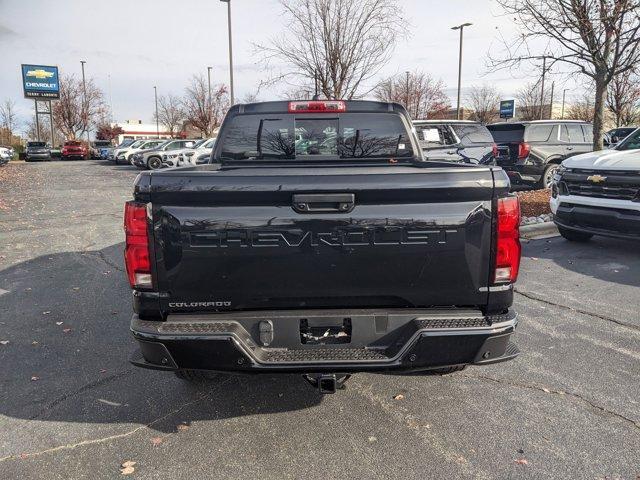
196	376
547	176
574	236
154	163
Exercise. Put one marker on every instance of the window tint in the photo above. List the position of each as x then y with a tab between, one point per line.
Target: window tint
209	144
513	133
632	142
564	133
587	131
173	146
433	136
575	133
539	133
470	134
310	136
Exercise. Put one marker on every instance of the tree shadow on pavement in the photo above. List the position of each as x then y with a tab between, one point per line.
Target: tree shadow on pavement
66	320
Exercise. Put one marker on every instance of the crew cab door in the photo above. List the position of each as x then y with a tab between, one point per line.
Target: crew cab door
439	143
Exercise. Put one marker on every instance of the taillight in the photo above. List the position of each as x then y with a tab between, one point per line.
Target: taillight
494	149
136	252
507	241
523	150
318	106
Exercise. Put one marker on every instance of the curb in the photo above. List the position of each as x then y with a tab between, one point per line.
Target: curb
539	230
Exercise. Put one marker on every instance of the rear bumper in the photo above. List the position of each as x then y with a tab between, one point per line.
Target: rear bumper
380	342
515	174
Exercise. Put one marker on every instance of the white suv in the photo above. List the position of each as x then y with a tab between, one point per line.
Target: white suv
598	193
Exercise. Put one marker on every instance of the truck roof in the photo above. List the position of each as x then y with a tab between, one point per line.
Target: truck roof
351	106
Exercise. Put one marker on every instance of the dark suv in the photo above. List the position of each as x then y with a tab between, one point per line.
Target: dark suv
455	141
531	152
37	151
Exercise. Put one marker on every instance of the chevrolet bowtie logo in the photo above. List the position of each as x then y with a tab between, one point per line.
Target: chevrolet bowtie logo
596	178
39	74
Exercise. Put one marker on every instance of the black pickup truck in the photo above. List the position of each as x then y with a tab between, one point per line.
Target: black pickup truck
324	244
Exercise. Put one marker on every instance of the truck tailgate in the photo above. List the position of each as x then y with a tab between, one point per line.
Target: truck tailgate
291	238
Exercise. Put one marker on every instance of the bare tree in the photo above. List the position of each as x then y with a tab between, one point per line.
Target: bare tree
484	100
31	131
8	117
581	109
170	113
341	43
202	111
623	98
71	114
596	38
529	104
419	92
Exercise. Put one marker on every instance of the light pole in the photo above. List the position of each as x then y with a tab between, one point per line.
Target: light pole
228	2
155	94
544	73
209	83
564	93
461	28
85	114
406	93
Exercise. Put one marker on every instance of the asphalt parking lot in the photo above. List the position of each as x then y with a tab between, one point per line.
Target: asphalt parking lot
71	406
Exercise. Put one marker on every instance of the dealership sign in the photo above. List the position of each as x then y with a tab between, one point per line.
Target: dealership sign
507	108
40	82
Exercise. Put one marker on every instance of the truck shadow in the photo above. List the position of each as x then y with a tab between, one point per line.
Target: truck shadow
607	259
66	320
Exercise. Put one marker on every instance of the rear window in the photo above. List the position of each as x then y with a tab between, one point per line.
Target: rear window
36	144
507	133
472	134
72	144
315	137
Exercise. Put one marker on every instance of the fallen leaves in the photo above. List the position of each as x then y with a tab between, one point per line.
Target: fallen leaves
521	461
35	379
127	468
155	441
398	397
59	323
46	312
4	342
534	203
66	330
182	427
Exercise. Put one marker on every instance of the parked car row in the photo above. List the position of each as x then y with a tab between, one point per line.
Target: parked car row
530	152
154	154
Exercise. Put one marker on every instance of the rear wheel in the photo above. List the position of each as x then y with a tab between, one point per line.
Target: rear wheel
196	375
547	177
574	236
154	163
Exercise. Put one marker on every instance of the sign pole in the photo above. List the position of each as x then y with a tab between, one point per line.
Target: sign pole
37	121
51	121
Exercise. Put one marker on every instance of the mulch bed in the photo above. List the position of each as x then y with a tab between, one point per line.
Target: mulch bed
534	203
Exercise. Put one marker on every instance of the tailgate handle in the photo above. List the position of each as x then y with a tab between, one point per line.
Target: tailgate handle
323	202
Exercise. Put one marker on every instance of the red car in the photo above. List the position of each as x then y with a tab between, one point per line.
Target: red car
74	149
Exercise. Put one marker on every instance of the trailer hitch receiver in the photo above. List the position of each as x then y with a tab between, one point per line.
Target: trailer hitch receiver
326	382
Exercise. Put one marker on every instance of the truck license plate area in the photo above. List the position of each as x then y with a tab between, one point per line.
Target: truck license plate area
321	332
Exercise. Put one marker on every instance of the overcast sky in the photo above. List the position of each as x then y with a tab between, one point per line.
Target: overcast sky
142	43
